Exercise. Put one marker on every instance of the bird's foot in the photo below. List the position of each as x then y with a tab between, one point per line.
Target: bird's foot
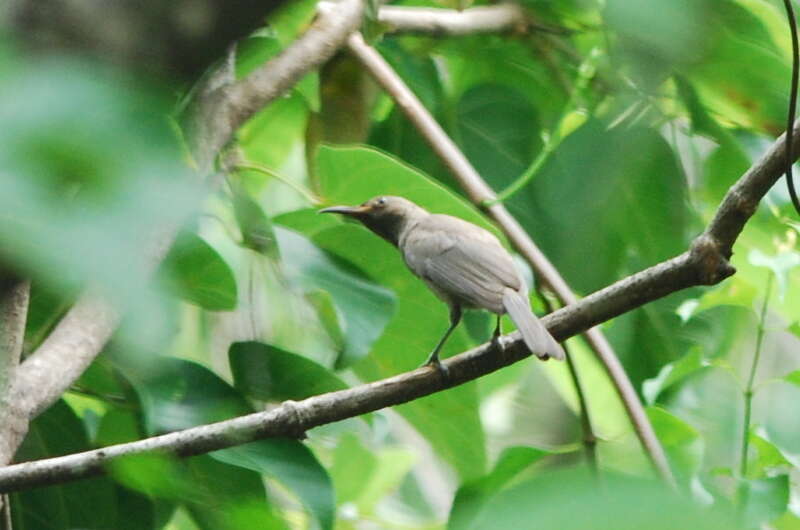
443	370
497	343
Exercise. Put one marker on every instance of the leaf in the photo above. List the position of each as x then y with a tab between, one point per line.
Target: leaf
255	226
364	477
292	464
182	394
793	378
764	499
199	275
449	420
498	129
89	504
569	500
780	264
682	442
472	496
673	373
768	461
365	307
269	373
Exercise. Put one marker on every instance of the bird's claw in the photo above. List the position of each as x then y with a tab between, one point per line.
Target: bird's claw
443	370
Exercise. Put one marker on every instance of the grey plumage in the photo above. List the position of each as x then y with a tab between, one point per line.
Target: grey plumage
463	264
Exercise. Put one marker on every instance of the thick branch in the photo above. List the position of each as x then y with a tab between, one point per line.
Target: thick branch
223	111
14	298
481	193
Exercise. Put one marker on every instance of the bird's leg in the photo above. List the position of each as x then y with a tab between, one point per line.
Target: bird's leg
433	358
496	336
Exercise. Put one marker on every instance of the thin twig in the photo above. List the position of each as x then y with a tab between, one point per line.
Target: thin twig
252	166
453	23
747	392
480	193
792	103
8	524
589	440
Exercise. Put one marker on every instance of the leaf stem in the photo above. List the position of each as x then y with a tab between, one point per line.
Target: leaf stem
748	390
252	166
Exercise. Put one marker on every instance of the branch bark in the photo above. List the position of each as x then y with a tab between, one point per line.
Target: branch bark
481	194
222	111
451	23
14	298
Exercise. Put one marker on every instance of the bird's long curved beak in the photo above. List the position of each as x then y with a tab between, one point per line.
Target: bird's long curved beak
346	210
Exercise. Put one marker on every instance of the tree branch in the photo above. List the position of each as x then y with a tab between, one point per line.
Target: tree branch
450	22
221	112
481	194
14	298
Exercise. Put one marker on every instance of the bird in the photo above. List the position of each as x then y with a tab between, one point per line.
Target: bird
463	264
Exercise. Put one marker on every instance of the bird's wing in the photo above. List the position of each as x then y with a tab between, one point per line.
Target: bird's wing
461	261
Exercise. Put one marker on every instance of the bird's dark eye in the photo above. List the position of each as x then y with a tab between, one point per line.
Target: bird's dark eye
381	201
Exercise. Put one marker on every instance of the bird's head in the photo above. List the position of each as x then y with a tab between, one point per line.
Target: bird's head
385	215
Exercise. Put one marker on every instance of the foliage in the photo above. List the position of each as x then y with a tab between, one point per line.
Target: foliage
261	300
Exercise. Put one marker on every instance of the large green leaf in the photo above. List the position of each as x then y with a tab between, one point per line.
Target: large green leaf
449	420
89	504
473	496
498	129
292	464
181	394
199	274
363	306
575	500
269	373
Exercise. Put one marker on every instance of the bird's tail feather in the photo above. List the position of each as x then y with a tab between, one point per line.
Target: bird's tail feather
535	335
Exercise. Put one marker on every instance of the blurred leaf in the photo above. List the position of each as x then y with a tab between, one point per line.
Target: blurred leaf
768	461
352	463
779	264
75	205
472	496
754	95
328	316
255	226
620	504
89	504
673	373
365	307
364	477
45	309
764	499
269	137
268	373
292	464
449	420
371	27
793	378
681	441
498	129
199	275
